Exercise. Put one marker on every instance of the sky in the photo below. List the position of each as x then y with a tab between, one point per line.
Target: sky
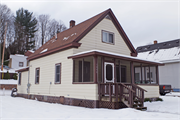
143	20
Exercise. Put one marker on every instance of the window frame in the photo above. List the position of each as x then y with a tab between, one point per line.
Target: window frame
59	74
113	43
36	75
19	78
22	64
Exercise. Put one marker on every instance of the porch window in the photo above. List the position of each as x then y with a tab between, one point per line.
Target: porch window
19	81
58	73
146	76
37	75
83	70
108	37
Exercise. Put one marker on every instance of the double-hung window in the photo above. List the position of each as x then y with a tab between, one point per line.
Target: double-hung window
37	75
58	73
108	37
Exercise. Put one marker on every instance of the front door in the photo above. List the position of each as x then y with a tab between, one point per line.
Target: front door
108	72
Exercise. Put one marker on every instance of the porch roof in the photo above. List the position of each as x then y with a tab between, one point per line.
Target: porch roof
113	55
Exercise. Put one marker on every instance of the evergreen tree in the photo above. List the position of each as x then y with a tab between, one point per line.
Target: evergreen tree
7	75
25	28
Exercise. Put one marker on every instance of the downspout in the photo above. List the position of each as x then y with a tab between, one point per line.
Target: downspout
28	84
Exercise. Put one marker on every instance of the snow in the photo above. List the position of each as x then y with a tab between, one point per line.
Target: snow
10	81
31	51
163	55
121	55
66	38
11	70
44	50
17	108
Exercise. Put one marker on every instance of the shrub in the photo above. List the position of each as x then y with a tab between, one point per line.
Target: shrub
147	99
15	76
7	75
159	99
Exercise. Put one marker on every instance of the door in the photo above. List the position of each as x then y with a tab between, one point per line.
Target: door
108	72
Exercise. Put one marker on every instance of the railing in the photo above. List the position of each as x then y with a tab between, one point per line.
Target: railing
139	92
117	90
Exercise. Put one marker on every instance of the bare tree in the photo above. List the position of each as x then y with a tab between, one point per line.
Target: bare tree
55	27
6	16
43	22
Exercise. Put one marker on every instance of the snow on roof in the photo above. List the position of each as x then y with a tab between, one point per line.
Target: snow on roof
10	81
31	51
66	38
162	55
9	70
44	50
137	58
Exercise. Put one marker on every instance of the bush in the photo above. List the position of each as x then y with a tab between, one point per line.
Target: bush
147	99
15	76
7	75
159	99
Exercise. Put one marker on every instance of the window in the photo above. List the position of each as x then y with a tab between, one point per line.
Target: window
20	64
108	37
19	82
58	73
37	75
150	74
83	70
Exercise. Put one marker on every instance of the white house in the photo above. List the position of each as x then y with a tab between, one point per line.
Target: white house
168	53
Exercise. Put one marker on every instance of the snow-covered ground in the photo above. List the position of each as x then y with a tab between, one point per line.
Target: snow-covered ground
23	109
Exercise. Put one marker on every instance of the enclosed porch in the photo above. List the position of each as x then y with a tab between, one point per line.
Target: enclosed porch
118	77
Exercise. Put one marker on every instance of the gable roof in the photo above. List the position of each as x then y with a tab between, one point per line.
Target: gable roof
70	37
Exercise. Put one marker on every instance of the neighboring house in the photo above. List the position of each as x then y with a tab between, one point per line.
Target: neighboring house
18	61
90	64
168	53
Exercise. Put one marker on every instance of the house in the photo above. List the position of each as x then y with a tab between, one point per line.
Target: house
91	64
19	61
168	53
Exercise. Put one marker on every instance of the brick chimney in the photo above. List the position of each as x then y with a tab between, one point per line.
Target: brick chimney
155	41
72	23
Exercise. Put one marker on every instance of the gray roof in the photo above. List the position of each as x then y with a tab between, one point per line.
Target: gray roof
162	45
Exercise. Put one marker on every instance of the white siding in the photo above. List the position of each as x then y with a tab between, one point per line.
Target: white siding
152	91
93	40
47	75
24	80
16	59
170	74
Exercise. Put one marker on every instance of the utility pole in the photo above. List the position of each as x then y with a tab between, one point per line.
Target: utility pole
3	51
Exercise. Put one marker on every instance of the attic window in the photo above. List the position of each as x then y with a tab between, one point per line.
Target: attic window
107	37
177	41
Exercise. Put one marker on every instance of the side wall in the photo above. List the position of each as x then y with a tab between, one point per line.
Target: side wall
170	74
152	91
24	80
93	40
47	76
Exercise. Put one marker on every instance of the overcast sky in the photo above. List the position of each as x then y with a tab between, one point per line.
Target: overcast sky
143	21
